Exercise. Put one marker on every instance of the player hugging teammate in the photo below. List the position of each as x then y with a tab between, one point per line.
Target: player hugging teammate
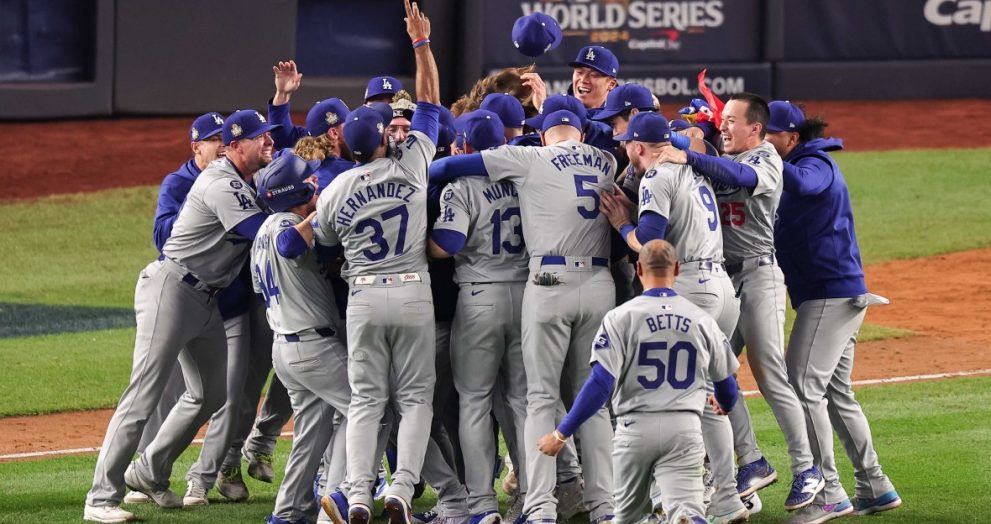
416	303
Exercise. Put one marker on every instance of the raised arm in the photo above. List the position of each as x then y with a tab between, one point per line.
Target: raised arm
427	77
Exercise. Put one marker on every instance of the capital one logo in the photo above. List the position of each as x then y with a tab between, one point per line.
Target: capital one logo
959	12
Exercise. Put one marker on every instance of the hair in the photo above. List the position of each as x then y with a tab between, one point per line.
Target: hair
814	127
658	258
503	81
757	110
315	147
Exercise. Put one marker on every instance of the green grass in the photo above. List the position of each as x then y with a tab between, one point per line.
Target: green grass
929	437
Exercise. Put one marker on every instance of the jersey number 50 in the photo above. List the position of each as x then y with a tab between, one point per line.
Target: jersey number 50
657	367
378	234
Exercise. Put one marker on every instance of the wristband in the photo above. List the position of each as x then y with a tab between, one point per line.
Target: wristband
625	229
556	434
420	42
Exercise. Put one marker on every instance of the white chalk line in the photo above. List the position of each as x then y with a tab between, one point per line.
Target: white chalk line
747	393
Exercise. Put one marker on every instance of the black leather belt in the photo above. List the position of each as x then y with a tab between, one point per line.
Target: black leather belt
199	285
763	260
323	332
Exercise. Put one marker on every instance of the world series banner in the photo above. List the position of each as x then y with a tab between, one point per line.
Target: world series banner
639	32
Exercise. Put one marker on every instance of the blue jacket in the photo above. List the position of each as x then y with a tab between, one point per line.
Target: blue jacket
288	134
329	169
814	233
232	301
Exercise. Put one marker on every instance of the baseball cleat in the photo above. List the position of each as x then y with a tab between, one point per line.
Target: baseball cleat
195	495
735	517
231	484
106	514
865	506
424	517
259	466
488	517
604	519
570	498
336	506
753	503
165	498
819	513
359	513
399	510
804	488
754	476
136	497
380	484
515	508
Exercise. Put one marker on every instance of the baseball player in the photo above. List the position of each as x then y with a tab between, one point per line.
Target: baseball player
679	205
308	354
654	356
382	89
594	75
568	291
510	112
480	225
177	319
596	133
622	103
748	187
377	213
819	256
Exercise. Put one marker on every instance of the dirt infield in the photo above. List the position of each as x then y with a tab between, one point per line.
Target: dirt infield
929	296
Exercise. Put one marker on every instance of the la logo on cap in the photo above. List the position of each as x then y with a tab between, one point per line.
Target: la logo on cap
260	117
590	55
217	120
386	84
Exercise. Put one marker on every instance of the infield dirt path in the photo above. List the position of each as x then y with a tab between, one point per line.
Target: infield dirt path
945	299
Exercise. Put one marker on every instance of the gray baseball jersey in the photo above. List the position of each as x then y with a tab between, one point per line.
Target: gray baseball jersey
297	295
748	215
378	211
203	239
661	349
687	201
488	215
554	225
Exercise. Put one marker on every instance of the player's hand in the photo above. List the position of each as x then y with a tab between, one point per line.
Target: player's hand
550	444
537	88
287	80
614	209
716	407
670	154
417	23
693	132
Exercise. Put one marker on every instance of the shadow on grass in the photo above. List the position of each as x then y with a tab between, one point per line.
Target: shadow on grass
21	320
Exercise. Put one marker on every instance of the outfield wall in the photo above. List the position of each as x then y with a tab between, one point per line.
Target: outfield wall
66	58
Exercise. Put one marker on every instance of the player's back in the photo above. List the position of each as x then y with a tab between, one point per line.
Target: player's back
661	349
689	203
559	188
378	211
297	296
748	215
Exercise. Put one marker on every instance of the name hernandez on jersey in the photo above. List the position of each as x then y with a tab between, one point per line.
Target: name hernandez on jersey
747	216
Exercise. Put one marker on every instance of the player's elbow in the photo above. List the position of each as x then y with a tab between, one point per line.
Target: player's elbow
436	251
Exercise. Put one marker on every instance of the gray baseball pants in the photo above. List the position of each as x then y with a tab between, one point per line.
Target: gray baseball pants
761	289
274	415
391	350
559	324
174	389
820	363
175	322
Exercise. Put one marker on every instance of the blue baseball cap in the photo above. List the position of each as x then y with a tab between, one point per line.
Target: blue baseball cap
507	106
459	130
246	123
325	115
205	126
363	130
282	183
625	98
555	103
646	127
445	130
382	85
785	116
678	124
562	117
598	58
384	109
483	130
536	34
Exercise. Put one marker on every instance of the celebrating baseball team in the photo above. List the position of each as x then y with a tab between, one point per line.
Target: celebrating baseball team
574	272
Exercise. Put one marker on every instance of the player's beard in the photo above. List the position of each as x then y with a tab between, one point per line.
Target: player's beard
346	153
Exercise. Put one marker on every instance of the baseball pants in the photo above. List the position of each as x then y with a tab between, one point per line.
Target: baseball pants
820	362
313	369
174	389
274	415
485	346
761	290
568	467
707	286
665	448
559	324
175	322
391	348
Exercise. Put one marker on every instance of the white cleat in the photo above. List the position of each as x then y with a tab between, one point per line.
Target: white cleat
106	514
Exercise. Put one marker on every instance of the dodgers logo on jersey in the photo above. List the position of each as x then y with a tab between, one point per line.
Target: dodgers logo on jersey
236	184
601	342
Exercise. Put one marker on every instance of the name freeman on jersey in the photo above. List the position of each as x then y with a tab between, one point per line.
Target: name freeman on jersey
579	159
395	190
668	321
500	190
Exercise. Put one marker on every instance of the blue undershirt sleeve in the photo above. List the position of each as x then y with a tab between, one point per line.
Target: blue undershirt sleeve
447	169
723	170
290	244
450	241
426	120
594	394
680	141
652	226
727	393
248	227
810	177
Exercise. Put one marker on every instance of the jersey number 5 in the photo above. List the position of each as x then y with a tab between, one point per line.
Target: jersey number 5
378	234
658	368
583	192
